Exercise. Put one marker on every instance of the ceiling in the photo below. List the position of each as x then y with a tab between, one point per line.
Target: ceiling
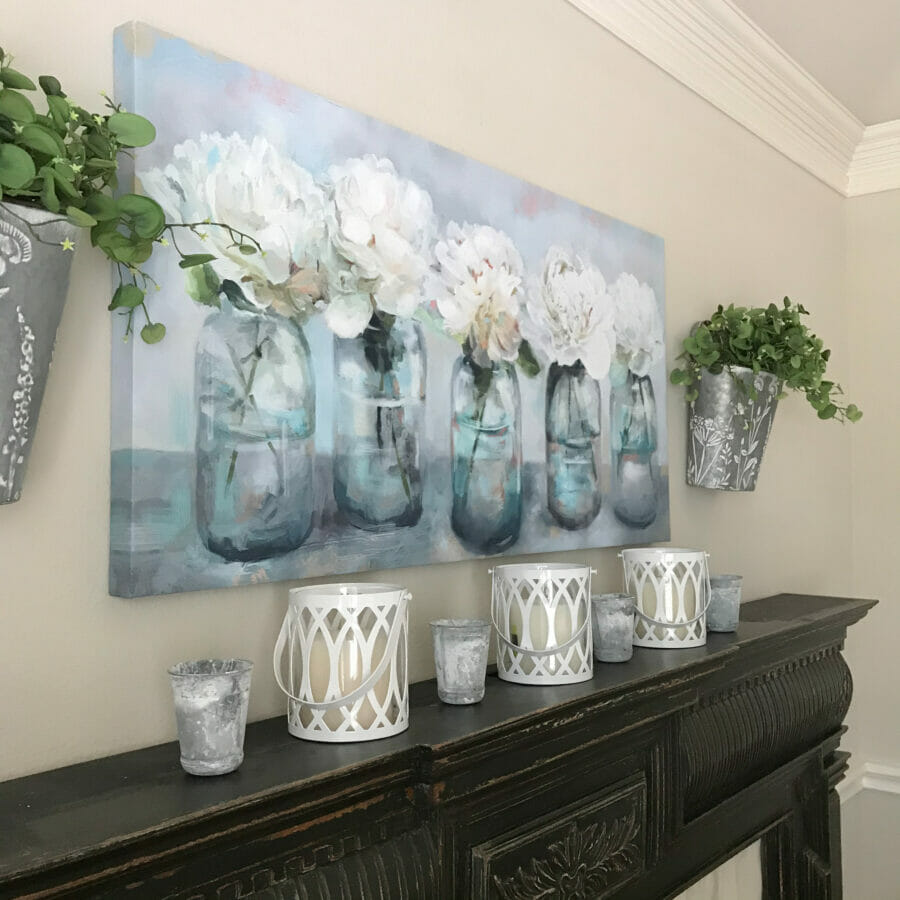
851	48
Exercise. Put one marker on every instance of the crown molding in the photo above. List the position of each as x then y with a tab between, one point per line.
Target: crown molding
876	162
712	48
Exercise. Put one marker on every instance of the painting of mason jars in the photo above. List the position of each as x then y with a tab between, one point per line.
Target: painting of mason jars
431	361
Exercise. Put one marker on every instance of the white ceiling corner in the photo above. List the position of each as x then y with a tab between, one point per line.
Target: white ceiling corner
876	161
712	48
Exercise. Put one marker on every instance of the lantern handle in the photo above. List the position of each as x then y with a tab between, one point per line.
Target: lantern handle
547	651
347	700
662	622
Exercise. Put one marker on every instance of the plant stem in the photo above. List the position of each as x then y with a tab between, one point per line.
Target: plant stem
480	405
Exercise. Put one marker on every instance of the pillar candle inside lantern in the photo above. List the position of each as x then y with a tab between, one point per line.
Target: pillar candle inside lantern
550	622
338	639
349	671
671	590
352	673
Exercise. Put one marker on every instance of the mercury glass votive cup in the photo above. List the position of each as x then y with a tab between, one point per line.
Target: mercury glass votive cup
724	602
460	658
612	624
211	713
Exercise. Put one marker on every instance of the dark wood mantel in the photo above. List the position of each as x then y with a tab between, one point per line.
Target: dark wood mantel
632	785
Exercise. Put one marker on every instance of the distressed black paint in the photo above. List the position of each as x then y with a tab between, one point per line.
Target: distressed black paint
639	781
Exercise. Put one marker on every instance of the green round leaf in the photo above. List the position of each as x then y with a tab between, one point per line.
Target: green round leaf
16	167
50	86
104	164
101	207
16	106
63	177
48	192
59	110
116	246
131	130
99	146
142	250
189	260
12	79
247	249
127	296
42	140
80	217
153	334
146	215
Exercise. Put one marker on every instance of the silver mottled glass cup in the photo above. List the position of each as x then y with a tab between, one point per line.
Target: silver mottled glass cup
724	602
612	625
211	713
460	658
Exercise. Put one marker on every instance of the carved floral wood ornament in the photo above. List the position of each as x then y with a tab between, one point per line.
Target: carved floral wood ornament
579	867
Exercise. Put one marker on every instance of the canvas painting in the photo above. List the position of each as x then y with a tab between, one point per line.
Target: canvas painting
431	360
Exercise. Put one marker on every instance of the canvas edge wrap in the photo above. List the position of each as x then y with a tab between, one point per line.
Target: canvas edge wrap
122	389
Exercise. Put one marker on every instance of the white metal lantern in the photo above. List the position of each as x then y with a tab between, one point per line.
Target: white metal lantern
671	591
542	615
341	658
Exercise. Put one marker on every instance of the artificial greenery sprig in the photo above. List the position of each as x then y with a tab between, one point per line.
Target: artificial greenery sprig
66	159
764	339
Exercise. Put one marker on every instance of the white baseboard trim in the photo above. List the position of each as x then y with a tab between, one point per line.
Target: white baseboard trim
870	776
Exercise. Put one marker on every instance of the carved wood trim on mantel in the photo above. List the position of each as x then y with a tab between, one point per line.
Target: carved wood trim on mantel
630	786
745	729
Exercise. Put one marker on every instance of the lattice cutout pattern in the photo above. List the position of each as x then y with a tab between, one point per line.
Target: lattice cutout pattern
542	619
671	590
346	668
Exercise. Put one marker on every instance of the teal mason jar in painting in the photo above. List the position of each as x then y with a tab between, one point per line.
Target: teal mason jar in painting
379	410
635	478
486	455
572	422
256	420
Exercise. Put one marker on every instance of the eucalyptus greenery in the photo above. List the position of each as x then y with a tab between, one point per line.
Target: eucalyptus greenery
765	339
65	160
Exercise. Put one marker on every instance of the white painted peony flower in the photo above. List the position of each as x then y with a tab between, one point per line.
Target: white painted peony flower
381	228
570	315
477	288
639	328
254	189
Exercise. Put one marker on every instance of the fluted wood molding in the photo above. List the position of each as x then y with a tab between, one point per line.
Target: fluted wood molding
735	736
404	868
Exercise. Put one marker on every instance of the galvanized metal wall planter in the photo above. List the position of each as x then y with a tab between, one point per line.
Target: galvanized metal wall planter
34	281
728	428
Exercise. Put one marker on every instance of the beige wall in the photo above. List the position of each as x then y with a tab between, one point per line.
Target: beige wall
874	327
869	833
535	89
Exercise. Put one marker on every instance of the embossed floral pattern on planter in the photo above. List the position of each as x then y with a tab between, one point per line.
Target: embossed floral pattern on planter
728	428
34	280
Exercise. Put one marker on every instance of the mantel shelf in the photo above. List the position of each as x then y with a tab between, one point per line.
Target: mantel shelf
94	820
